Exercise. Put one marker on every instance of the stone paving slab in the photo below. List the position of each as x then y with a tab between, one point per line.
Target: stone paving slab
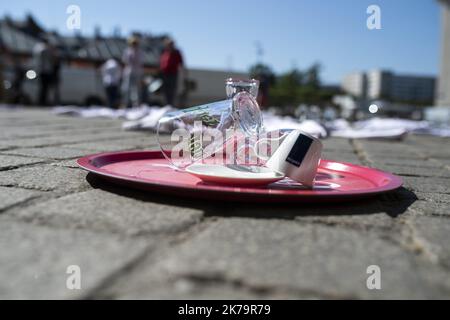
149	142
12	162
53	153
136	244
432	208
434	234
35	260
45	178
13	196
66	164
61	129
428	184
54	140
433	197
414	171
103	211
265	255
341	156
337	144
416	163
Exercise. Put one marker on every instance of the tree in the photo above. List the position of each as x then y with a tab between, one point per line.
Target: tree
310	91
260	69
285	92
312	76
266	78
295	87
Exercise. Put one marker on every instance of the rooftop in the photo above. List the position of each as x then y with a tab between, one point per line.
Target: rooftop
19	37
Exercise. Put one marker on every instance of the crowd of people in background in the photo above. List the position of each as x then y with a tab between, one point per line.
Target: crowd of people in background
126	78
123	80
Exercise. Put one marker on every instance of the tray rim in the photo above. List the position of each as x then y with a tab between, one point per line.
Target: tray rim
86	163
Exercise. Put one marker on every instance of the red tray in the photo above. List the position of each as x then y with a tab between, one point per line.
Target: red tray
149	170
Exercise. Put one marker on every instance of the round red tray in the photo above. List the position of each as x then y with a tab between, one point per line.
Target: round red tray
149	170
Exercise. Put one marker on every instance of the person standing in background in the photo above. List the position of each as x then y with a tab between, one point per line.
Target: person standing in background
111	76
17	82
264	87
55	75
2	85
170	63
44	68
133	59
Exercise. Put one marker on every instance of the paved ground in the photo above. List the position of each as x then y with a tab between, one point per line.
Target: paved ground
131	244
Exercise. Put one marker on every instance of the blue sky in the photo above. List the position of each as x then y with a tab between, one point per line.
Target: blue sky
219	34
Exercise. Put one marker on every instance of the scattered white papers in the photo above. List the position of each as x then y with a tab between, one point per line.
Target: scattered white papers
384	128
146	118
273	122
90	112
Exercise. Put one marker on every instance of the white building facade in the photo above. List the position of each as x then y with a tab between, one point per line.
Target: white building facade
355	84
384	84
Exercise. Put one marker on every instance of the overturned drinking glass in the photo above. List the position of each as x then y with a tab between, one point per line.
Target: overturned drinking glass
220	132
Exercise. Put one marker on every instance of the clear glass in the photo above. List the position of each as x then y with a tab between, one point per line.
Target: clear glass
215	132
234	86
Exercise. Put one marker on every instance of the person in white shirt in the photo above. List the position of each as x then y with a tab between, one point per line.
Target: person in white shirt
133	59
111	77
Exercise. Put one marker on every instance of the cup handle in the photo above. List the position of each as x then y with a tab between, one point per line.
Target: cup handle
256	148
266	140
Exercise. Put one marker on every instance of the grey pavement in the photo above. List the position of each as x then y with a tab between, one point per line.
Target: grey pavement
139	245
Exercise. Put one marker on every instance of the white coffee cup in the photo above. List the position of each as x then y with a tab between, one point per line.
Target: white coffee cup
297	157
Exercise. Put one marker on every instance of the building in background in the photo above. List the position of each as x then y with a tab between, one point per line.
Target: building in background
210	85
386	85
83	56
443	90
355	84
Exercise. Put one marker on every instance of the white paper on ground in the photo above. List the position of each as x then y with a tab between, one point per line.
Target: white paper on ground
384	128
149	120
367	133
273	122
90	112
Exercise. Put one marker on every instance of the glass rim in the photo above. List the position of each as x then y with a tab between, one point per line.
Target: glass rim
237	80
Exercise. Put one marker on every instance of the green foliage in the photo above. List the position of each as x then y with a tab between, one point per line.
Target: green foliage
286	90
259	70
295	86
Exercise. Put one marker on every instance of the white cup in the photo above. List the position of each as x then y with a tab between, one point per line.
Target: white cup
297	157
